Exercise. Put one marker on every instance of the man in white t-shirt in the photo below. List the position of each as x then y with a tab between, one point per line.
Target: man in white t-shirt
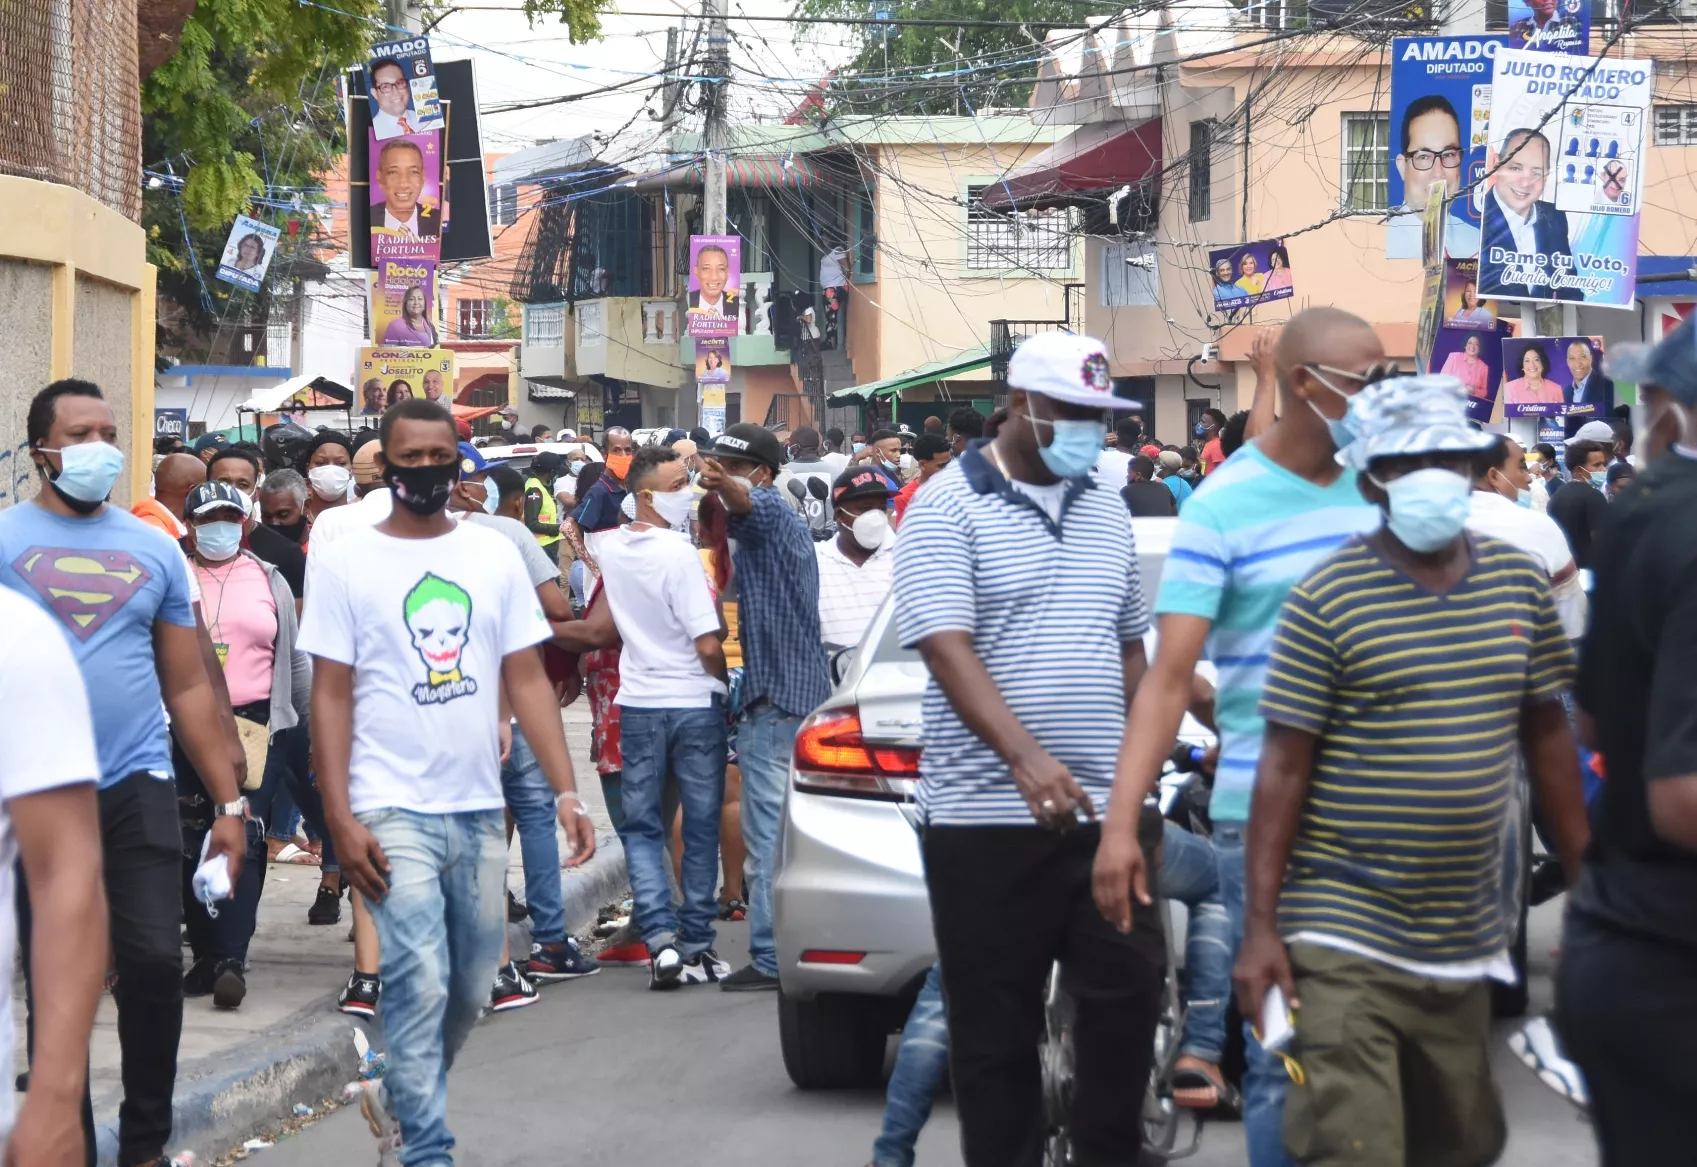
415	625
671	700
855	568
48	813
1501	508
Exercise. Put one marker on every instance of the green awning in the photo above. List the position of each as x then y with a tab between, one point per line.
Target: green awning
966	361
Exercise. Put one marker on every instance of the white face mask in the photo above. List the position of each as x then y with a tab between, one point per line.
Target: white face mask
745	483
870	529
673	506
330	482
627	508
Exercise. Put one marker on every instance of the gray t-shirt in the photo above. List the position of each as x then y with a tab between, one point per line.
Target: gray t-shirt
537	565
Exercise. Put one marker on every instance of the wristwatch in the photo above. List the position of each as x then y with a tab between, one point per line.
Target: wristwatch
236	809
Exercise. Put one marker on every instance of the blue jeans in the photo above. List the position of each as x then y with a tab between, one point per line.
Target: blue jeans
687	745
1265	1080
1190	874
297	794
920	1063
765	741
441	926
531	800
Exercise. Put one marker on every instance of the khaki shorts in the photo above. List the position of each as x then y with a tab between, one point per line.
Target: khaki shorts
1395	1067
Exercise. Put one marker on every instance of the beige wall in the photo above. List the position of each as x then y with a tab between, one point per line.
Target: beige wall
79	296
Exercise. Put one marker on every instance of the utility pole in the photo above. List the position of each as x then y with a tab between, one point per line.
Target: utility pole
716	131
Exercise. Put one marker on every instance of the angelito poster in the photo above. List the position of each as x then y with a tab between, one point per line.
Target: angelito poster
1565	157
1440	99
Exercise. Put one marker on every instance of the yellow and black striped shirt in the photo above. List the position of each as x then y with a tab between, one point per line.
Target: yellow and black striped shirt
1416	700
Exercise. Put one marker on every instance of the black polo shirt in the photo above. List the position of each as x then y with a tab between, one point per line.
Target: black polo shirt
1579	509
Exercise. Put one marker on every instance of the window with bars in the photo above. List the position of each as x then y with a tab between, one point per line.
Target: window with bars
545	326
866	239
999	241
1675	125
1366	161
1201	170
503	205
748	213
477	318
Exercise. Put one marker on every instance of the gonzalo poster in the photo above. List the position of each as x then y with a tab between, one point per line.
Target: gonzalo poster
1564	164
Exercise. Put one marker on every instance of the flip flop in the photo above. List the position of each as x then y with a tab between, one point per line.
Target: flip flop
1536	1045
1206	1093
298	855
733	910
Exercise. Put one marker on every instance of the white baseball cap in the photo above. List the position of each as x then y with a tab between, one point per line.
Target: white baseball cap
1595	431
1065	367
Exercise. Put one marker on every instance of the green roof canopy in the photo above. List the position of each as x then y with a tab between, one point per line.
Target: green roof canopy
966	361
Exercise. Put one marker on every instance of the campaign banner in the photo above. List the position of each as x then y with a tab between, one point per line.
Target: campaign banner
712	408
659	322
1431	318
715	277
1462	306
247	253
1251	274
1440	100
388	376
401	82
1540	372
406	198
712	360
1550	26
403	304
170	423
1475	359
1563	156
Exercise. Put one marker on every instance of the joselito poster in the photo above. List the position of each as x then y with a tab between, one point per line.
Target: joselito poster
1564	161
388	376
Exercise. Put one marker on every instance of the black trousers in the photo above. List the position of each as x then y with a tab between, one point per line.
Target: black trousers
1627	1016
225	936
1006	903
142	851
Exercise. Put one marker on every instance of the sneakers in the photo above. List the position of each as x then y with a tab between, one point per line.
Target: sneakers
665	969
748	980
512	990
515	910
632	955
229	984
327	908
704	968
385	1129
197	982
359	998
559	962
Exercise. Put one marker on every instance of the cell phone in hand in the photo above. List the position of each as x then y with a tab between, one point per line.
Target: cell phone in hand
1276	1027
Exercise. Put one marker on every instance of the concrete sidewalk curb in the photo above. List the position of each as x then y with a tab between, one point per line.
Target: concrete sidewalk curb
221	1101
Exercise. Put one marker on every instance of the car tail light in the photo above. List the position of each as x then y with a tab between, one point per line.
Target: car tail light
831	956
831	757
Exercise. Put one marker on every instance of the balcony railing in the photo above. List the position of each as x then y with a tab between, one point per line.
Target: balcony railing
1006	335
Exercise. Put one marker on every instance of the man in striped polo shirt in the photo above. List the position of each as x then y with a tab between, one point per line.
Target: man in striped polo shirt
1409	671
1254	526
1017	579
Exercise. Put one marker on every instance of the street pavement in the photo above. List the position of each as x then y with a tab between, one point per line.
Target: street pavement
603	1071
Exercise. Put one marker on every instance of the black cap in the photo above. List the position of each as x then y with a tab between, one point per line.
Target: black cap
750	442
1619	470
859	482
547	462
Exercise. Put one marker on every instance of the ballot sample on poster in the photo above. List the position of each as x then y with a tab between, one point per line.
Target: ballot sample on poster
401	83
247	253
1597	172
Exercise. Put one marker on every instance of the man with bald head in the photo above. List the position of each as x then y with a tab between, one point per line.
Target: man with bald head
1252	529
173	478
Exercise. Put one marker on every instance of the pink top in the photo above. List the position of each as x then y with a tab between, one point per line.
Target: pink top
241	615
1517	392
1470	371
1279	277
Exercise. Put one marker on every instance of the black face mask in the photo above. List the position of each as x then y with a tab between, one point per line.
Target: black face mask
423	490
293	532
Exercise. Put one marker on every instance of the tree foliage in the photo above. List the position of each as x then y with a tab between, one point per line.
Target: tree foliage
582	18
881	78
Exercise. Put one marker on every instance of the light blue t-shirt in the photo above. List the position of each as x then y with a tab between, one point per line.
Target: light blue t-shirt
1251	530
105	580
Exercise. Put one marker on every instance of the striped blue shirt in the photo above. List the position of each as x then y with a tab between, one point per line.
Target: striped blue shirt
1048	608
1251	530
783	656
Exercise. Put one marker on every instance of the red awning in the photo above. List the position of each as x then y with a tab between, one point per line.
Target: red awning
1097	158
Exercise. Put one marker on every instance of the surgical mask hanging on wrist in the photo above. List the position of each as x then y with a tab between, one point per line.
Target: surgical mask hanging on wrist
1428	508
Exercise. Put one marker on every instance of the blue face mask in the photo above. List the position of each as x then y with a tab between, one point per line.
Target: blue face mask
1201	428
491	496
1523	498
218	541
1338	429
859	446
1428	507
87	473
1074	448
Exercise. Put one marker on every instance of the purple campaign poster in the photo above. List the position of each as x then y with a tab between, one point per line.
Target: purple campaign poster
1475	359
1553	26
406	198
1462	306
715	278
1539	371
1251	274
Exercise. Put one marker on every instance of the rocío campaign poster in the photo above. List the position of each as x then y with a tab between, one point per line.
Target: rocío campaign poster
1564	161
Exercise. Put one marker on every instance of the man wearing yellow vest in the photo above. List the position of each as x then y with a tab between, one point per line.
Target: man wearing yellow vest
541	512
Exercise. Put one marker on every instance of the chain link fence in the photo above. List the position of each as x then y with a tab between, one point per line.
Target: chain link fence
70	103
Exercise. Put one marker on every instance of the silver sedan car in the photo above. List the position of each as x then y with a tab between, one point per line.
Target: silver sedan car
851	913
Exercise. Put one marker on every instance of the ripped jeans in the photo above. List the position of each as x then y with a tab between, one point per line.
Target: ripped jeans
1191	875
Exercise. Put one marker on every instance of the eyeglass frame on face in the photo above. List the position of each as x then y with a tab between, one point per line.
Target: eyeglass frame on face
390	86
1373	374
1449	157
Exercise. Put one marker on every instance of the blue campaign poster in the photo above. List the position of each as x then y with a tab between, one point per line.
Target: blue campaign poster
1440	106
1551	26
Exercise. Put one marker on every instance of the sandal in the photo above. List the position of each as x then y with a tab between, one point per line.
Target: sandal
1194	1088
733	909
291	853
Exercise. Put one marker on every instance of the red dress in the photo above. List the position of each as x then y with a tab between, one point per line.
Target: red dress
601	678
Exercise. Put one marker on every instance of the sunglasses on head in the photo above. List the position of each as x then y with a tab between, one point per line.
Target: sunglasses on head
1371	375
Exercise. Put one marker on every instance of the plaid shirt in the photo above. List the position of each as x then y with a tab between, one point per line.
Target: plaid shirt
778	614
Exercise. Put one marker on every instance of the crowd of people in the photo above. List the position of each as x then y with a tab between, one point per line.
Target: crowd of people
353	651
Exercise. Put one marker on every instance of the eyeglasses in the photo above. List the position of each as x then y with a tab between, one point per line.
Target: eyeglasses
1372	374
401	86
1423	159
